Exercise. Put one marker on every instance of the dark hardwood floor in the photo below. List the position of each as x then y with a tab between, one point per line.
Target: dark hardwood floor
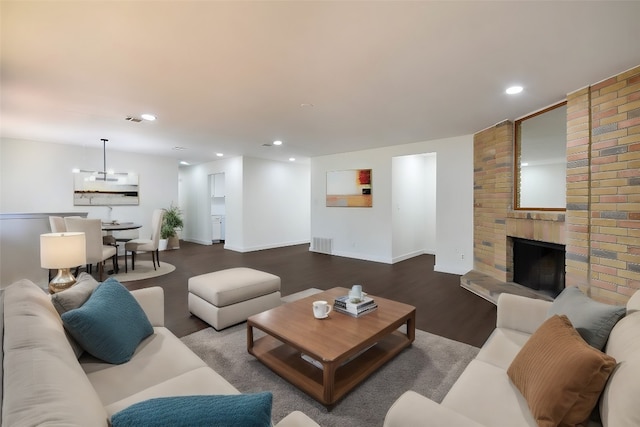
442	306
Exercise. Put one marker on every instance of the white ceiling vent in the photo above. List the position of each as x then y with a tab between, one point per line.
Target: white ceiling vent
133	119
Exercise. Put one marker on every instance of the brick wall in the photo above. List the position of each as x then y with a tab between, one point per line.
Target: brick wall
614	200
601	227
578	188
492	194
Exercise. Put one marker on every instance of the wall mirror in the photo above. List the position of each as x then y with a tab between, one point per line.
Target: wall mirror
541	160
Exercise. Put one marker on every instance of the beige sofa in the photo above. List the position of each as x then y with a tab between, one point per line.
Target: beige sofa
485	396
44	383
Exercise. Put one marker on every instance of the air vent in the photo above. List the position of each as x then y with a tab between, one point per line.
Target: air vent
267	145
322	244
133	119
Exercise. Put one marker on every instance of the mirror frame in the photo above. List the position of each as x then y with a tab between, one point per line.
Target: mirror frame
517	155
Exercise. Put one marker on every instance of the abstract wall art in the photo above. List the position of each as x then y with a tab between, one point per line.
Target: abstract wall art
105	189
349	188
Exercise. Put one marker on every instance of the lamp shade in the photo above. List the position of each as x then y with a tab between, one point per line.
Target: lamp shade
62	250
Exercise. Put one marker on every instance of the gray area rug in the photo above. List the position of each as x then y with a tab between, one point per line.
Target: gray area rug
430	367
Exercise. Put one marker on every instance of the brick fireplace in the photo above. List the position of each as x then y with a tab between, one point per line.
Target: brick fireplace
601	226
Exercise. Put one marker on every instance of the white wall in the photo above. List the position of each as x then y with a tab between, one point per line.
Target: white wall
357	232
37	177
276	204
367	233
454	206
266	203
431	185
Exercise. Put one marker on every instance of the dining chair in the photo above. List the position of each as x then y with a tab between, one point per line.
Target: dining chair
146	245
97	252
57	224
110	240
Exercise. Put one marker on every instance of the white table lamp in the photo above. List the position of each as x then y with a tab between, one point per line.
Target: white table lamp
62	251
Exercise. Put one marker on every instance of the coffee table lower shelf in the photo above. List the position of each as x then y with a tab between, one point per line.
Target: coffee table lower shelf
286	361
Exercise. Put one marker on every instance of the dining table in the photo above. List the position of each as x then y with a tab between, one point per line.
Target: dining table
112	226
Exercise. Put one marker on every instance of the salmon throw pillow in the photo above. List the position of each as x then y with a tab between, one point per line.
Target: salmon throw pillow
559	374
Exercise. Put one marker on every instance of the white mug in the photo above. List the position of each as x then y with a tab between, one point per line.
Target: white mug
356	293
321	309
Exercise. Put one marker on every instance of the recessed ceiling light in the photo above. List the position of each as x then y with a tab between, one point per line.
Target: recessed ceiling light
514	90
277	142
149	117
524	164
219	154
292	159
306	105
178	148
182	162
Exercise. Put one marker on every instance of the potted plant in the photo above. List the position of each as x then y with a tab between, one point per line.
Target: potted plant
171	222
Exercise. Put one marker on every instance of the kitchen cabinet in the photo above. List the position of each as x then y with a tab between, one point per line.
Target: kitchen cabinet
217	185
217	228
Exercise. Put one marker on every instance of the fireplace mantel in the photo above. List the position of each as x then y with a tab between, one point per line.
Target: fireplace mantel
537	228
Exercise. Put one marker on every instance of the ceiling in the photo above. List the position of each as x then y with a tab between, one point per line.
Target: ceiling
322	76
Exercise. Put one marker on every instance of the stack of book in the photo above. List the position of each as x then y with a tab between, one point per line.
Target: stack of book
354	308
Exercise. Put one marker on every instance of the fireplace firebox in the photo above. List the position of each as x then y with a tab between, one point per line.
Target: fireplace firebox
539	265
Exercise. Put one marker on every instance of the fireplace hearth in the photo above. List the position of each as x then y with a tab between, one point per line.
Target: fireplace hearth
539	265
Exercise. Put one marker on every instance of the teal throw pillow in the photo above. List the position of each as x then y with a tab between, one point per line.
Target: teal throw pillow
110	324
237	410
592	319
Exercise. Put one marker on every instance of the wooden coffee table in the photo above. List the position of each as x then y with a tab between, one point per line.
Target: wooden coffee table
335	342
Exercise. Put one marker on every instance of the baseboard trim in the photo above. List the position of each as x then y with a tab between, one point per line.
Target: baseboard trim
264	247
451	269
410	255
363	257
198	241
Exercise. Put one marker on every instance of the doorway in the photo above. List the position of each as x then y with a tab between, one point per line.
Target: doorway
413	205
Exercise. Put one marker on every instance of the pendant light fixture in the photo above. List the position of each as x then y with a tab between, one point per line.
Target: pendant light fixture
104	187
104	158
101	175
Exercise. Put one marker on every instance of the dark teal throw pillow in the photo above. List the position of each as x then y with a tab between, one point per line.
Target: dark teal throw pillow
110	324
592	319
237	410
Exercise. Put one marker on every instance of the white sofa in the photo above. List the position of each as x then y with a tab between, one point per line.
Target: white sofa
485	396
44	383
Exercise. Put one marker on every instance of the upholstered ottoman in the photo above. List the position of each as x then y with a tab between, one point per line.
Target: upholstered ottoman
224	298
